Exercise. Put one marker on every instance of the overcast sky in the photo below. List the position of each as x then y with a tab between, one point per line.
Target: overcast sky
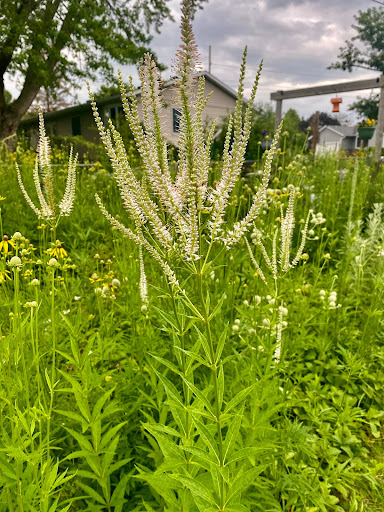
297	40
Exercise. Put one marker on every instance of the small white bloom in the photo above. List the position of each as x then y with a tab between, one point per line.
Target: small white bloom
15	261
53	263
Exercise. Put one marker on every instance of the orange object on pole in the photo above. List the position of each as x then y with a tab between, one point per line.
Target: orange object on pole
336	103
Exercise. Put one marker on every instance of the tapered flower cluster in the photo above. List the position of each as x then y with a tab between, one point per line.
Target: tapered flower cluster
43	179
183	214
281	260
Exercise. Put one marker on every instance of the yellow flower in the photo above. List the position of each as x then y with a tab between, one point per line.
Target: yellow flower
5	245
4	275
57	250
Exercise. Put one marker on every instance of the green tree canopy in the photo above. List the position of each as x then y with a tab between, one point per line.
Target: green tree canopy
366	107
366	48
45	42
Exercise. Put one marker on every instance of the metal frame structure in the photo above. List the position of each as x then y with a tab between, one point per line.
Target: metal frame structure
357	85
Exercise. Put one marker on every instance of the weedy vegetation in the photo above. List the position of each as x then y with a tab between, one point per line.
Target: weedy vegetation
184	336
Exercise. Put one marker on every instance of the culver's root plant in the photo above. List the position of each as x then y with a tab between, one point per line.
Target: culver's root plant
180	219
49	211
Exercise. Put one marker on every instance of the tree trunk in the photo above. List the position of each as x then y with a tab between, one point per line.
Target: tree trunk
9	121
11	114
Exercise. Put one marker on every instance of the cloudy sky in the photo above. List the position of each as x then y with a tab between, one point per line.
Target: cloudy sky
297	40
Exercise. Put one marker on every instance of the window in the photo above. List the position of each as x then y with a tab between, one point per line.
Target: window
76	125
176	120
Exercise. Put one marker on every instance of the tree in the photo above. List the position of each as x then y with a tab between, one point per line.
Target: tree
366	107
324	120
367	54
52	98
43	42
370	33
291	121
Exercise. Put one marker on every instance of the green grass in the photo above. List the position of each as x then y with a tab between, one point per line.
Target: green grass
90	424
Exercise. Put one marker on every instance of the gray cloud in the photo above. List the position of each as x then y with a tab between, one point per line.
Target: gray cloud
297	40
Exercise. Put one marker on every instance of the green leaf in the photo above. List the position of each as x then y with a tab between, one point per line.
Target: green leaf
207	437
110	435
110	453
167	363
240	397
170	390
243	481
247	452
195	487
92	493
161	428
200	396
221	344
79	396
220	382
201	453
194	356
168	319
117	499
76	417
100	403
232	433
205	345
117	465
218	306
83	441
164	485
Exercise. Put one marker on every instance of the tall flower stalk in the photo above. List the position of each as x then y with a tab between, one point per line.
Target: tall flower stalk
48	210
178	219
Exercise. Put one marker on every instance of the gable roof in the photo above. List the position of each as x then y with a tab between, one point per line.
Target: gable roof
341	130
85	107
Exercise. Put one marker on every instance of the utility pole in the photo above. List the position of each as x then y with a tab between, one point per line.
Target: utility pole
209	59
315	131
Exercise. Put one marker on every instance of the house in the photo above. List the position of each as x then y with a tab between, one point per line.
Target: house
336	138
78	120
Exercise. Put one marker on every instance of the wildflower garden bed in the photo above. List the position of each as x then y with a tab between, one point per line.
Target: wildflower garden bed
219	347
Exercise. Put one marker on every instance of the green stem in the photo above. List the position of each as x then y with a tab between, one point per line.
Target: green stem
215	384
183	362
53	369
